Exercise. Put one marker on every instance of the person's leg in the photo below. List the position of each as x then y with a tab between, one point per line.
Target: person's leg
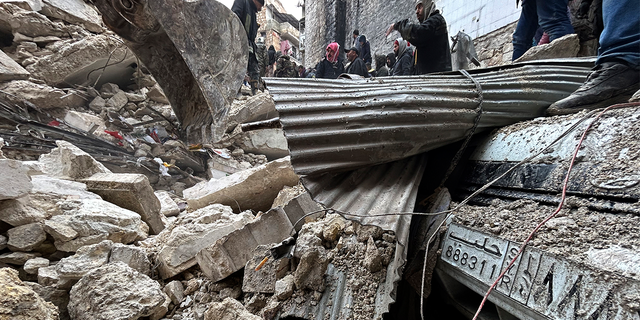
616	75
526	28
553	18
254	72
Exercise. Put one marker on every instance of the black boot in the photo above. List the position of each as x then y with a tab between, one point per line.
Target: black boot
254	87
609	83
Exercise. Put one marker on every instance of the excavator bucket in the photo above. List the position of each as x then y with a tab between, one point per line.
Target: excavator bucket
197	51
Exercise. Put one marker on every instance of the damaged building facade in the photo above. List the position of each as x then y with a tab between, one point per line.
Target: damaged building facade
142	180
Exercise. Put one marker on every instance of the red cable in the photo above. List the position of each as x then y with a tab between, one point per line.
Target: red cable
564	195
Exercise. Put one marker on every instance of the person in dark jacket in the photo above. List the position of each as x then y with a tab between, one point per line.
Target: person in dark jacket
331	66
365	51
391	60
430	37
381	67
404	60
246	10
357	65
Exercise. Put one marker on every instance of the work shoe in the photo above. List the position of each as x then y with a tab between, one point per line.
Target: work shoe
609	83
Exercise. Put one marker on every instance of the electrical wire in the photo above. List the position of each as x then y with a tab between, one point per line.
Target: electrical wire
562	200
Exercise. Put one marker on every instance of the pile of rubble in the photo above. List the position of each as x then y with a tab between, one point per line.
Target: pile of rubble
105	213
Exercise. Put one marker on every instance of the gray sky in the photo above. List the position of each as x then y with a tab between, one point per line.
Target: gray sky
289	5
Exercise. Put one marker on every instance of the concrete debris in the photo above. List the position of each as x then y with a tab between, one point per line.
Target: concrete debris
59	297
253	188
178	244
72	60
14	179
3	242
40	203
270	142
48	276
88	221
129	191
564	47
231	252
229	309
31	5
168	207
117	101
258	107
132	295
310	272
175	291
156	94
11	70
29	23
69	162
75	12
32	266
26	237
218	167
84	260
133	256
286	194
20	302
88	123
17	258
284	287
41	95
259	275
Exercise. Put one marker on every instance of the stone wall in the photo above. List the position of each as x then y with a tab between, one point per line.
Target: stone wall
495	48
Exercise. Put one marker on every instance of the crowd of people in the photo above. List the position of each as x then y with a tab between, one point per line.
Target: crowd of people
423	47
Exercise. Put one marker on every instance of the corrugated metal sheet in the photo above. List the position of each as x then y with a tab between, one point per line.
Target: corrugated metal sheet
385	188
343	124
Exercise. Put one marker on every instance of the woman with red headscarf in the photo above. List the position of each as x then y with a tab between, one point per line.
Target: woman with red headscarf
331	66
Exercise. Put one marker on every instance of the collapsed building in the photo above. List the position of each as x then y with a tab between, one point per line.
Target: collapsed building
138	183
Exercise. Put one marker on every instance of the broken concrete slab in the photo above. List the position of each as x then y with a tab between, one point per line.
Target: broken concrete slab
117	101
42	96
231	252
270	142
69	162
563	47
14	179
130	191
90	221
72	62
218	167
74	12
132	295
258	107
11	70
168	207
20	302
84	121
29	23
133	256
259	275
299	210
18	258
26	237
32	266
229	309
40	203
254	188
179	243
175	291
30	5
84	260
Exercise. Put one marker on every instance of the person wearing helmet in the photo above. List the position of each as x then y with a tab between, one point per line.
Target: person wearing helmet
430	37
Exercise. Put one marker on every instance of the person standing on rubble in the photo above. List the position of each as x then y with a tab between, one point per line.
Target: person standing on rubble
617	72
365	51
430	37
272	60
550	15
246	10
331	66
357	65
404	60
263	58
381	67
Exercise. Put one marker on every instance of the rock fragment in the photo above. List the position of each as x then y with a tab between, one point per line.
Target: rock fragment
133	256
310	271
131	295
270	142
43	96
168	207
563	47
69	162
17	258
29	23
130	191
175	291
32	266
20	302
86	259
11	70
14	179
228	309
260	275
75	12
284	288
26	237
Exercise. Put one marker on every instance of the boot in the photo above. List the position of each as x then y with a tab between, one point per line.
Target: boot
609	83
254	87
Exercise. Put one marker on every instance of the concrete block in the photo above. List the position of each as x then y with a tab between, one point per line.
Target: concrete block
32	266
168	207
192	232
270	142
231	253
254	188
43	96
130	191
48	276
84	260
69	162
219	167
284	288
258	107
11	70
14	179
26	237
175	291
300	206
564	47
75	12
84	121
134	257
264	279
